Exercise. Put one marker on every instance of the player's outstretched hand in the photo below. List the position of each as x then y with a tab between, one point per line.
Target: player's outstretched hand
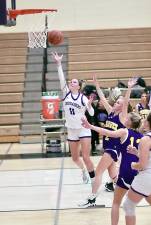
135	166
85	123
57	58
95	81
91	99
132	82
132	150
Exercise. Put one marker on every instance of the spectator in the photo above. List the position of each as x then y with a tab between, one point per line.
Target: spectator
143	106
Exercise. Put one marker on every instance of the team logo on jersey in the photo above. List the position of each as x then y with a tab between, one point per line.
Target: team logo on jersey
73	104
111	125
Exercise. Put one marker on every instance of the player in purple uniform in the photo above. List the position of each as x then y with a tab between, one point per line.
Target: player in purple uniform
126	173
116	118
141	185
128	136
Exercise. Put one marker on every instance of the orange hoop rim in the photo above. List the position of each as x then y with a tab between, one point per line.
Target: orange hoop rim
13	13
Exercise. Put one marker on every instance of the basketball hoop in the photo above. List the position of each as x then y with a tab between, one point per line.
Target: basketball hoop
37	34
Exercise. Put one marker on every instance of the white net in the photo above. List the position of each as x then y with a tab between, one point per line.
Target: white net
37	35
37	39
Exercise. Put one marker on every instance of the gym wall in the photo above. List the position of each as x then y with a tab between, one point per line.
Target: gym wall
85	14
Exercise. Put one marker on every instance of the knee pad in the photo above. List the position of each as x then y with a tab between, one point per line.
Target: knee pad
129	207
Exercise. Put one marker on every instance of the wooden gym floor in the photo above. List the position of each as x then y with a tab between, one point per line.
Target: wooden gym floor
46	191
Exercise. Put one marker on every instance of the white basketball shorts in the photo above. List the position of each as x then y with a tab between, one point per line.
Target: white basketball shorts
77	134
142	183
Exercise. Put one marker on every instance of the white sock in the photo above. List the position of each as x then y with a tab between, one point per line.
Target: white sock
110	180
92	195
92	180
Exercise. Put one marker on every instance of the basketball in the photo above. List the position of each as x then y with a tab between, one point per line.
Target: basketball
55	37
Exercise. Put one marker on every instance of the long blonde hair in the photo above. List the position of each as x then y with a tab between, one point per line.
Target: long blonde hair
136	120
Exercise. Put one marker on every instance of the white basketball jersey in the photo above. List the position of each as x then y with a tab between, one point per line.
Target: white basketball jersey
74	105
74	108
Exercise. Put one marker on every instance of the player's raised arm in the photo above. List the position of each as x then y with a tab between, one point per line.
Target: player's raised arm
124	112
115	134
58	59
104	101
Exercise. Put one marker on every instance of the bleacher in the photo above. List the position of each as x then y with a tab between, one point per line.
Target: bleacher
13	53
114	54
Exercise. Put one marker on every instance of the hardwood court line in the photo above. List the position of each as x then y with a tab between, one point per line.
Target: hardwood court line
29	186
58	168
7	151
56	217
64	209
36	185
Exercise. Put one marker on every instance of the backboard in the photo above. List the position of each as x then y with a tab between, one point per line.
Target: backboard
4	6
3	18
11	4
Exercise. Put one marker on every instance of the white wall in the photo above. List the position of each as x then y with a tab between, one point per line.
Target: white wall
88	14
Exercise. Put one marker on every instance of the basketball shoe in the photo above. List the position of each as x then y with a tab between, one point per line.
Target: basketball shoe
109	186
89	202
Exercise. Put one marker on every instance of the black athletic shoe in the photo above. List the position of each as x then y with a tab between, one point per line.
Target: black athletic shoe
89	202
109	186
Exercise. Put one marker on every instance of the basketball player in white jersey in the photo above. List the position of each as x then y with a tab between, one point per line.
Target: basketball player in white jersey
75	104
141	185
